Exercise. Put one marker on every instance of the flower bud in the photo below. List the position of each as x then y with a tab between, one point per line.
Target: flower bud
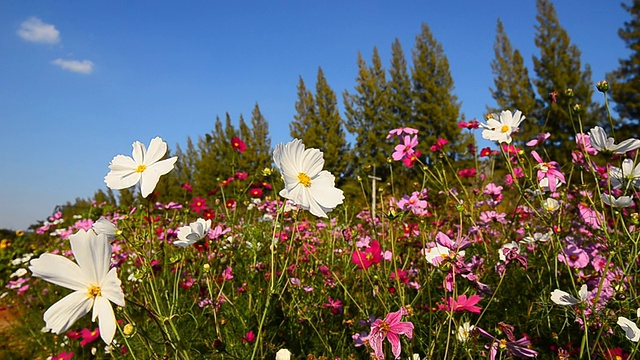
568	92
602	86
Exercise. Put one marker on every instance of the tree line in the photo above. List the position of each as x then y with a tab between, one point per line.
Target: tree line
557	98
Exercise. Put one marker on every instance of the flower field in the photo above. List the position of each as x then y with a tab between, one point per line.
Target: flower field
518	256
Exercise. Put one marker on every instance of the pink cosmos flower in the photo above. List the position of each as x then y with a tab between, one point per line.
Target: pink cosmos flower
550	171
439	145
334	305
63	356
413	203
574	257
463	303
390	328
411	159
248	337
89	336
400	131
372	255
583	142
538	140
405	149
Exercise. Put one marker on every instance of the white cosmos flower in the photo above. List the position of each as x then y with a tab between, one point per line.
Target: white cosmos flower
305	183
509	246
436	254
104	226
145	167
551	204
193	233
464	331
627	174
630	328
622	201
565	299
283	354
91	280
601	142
538	237
499	127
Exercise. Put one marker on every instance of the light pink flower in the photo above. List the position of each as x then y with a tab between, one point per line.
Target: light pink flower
550	171
391	327
400	131
405	149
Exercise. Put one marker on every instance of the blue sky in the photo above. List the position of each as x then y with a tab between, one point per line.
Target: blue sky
81	81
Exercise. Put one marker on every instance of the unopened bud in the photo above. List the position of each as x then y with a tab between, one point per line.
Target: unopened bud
568	92
577	108
602	86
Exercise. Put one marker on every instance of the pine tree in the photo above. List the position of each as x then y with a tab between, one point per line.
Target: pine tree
559	71
512	86
625	80
319	125
260	141
367	118
218	160
399	89
436	108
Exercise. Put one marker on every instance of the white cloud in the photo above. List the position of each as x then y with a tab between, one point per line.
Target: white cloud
34	30
82	67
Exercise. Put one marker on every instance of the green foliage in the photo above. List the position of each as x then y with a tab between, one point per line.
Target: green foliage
559	72
436	110
319	125
368	118
625	80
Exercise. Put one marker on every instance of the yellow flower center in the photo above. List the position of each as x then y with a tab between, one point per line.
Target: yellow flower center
504	128
385	327
94	291
141	168
304	179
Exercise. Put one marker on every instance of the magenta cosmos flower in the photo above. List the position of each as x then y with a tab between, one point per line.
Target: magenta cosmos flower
391	327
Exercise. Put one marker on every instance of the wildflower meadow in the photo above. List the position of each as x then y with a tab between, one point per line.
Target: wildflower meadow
518	256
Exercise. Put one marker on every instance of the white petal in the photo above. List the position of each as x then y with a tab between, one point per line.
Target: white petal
584	293
152	173
562	298
59	270
61	315
630	328
324	190
183	232
138	152
110	288
123	173
157	149
312	162
106	319
92	253
104	226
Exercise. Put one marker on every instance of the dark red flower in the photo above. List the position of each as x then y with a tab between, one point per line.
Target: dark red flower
255	192
238	144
